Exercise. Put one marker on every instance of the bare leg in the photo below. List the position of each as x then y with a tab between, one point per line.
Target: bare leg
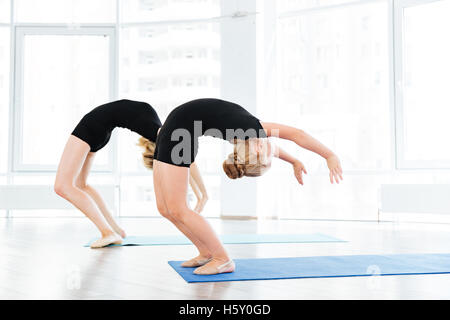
81	183
72	160
204	253
174	189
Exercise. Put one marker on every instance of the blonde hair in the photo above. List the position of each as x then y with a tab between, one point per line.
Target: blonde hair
251	166
149	151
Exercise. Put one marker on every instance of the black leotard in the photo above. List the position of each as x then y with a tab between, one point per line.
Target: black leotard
95	127
175	147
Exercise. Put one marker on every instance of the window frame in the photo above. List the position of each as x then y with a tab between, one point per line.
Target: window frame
401	162
20	31
4	171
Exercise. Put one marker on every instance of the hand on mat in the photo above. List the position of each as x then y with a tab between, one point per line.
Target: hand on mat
335	169
299	169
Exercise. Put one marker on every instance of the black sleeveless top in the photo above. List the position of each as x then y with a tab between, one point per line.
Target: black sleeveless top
95	127
177	142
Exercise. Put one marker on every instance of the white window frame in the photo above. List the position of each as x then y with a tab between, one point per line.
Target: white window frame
26	29
401	162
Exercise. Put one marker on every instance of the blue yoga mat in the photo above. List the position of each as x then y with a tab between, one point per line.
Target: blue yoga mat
325	267
161	240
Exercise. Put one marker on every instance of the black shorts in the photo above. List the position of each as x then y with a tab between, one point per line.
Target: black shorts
165	146
95	135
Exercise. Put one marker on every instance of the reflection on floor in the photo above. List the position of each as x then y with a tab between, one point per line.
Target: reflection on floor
45	259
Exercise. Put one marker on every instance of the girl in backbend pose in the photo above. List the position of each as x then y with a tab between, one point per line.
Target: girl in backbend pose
176	148
92	134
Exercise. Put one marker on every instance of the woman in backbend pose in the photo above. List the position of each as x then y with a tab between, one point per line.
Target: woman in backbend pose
92	134
176	148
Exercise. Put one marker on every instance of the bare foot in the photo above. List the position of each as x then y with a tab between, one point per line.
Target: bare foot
215	267
197	261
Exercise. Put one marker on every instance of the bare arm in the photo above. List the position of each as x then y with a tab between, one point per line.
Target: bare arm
298	166
304	140
300	137
194	187
198	187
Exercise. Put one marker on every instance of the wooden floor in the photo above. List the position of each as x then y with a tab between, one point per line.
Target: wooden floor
44	258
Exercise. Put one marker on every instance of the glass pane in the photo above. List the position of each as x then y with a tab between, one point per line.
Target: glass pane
166	65
426	95
333	82
5	14
137	197
65	76
65	11
4	96
157	10
292	5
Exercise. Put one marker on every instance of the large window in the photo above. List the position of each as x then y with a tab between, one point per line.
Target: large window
4	96
167	64
5	53
333	81
4	90
161	52
61	75
366	77
423	98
